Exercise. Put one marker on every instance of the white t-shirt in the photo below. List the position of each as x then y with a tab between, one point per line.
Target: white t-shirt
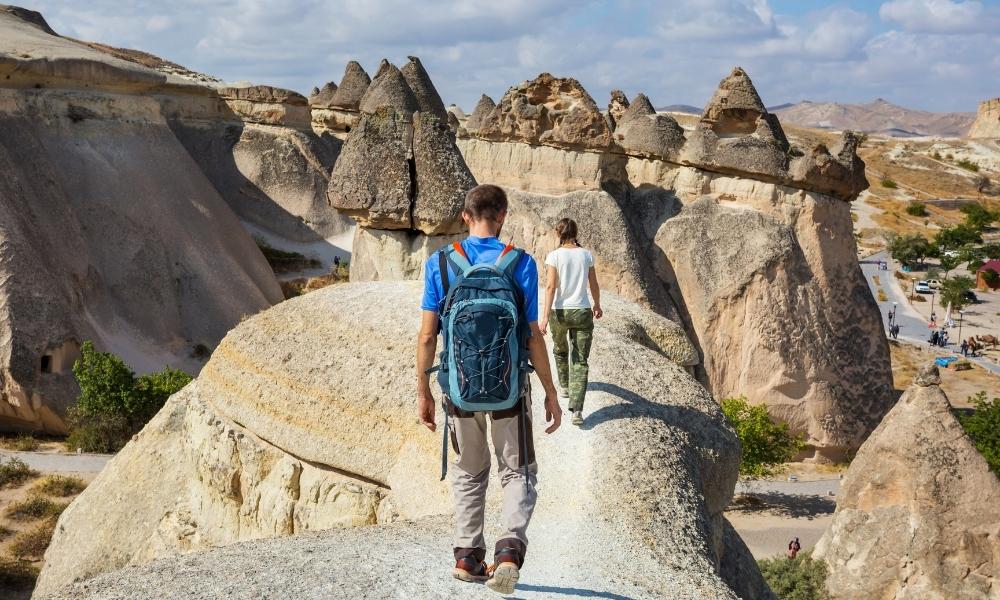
573	266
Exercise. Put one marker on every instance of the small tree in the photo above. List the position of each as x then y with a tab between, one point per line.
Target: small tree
955	238
983	428
990	276
977	217
113	404
766	445
908	249
953	291
916	208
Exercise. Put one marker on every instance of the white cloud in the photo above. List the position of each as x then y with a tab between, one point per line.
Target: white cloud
675	52
941	16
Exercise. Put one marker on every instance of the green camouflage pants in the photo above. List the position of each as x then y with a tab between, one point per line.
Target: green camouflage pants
572	332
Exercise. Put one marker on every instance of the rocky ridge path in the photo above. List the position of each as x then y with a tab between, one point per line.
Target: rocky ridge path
413	559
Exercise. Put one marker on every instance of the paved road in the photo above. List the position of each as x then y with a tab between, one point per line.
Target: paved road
821	487
62	463
912	326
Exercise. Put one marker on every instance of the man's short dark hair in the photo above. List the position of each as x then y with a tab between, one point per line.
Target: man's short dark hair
485	202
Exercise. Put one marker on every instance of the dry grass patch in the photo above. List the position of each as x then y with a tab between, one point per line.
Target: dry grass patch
34	508
14	472
24	442
30	544
5	532
59	485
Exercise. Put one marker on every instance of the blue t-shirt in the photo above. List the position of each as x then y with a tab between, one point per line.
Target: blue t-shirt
482	250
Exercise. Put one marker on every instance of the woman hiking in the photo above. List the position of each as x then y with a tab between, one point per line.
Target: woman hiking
568	310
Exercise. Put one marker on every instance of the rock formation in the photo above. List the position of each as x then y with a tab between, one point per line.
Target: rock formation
420	185
481	113
987	123
736	134
389	88
548	111
302	421
617	107
777	312
352	87
126	125
335	108
642	132
918	515
323	98
428	100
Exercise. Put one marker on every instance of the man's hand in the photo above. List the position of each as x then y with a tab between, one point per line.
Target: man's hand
553	412
425	410
598	311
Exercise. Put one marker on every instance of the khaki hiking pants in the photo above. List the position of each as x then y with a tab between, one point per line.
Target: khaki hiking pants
470	475
572	332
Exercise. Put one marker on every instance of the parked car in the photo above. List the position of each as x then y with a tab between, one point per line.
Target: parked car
935	284
970	296
922	287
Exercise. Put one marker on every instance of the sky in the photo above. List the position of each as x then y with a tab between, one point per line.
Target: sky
939	55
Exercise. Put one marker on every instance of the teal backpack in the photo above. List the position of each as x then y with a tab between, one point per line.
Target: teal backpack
484	361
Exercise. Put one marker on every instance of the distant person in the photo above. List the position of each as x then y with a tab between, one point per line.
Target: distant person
944	339
965	348
567	309
465	420
793	549
894	331
336	262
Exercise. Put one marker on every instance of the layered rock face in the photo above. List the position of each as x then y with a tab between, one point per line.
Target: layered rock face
987	123
918	515
109	230
302	420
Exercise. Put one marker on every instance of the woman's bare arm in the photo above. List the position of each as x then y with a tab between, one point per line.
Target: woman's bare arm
551	284
595	292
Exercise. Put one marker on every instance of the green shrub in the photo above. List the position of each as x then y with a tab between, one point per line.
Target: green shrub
14	472
766	445
59	485
114	404
968	165
936	155
17	574
983	428
802	578
916	209
889	183
33	508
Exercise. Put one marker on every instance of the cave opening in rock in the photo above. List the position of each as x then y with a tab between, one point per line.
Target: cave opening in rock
46	363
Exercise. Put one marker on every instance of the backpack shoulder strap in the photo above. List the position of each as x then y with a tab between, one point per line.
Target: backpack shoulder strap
443	267
456	255
509	258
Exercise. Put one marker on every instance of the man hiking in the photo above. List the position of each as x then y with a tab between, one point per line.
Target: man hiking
473	378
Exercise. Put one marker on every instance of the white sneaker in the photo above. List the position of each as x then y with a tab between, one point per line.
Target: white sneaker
563	393
578	417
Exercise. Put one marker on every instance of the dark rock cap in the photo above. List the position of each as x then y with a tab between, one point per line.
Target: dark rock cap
428	99
28	16
371	180
389	88
323	97
482	111
352	87
443	178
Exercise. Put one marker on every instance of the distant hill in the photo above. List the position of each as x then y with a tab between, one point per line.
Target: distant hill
680	108
879	116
